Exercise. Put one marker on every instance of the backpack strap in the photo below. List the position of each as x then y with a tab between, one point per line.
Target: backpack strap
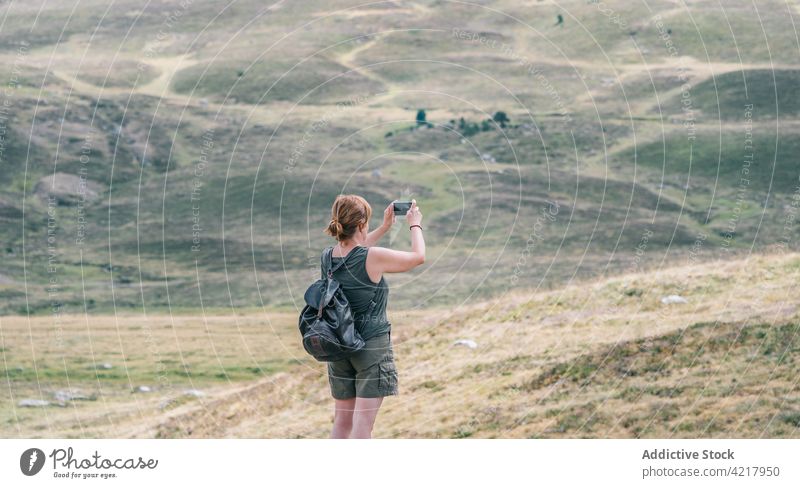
327	263
327	275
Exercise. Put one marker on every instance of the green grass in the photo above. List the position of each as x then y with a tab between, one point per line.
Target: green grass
770	92
317	80
122	74
722	157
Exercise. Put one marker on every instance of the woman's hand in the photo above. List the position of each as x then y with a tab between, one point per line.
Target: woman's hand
414	215
388	216
382	260
388	219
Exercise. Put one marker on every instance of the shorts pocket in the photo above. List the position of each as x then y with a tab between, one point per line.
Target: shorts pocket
387	379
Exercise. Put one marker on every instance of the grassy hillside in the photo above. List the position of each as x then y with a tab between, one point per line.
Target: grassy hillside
598	358
184	156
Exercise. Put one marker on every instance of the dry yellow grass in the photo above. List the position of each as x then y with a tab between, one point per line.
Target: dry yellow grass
595	359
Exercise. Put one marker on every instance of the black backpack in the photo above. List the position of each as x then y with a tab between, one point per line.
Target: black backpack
326	321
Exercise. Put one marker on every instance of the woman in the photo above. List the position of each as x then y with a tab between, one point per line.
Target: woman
359	383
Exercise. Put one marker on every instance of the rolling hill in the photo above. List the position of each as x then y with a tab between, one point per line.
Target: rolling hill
167	168
600	358
184	156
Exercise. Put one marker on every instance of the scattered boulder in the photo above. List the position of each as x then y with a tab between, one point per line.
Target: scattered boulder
67	189
466	342
64	396
32	402
194	393
673	299
104	366
143	389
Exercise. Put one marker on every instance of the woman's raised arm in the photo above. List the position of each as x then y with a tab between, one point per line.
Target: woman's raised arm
382	260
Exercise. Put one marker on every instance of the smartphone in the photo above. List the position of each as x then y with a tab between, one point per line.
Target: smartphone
401	208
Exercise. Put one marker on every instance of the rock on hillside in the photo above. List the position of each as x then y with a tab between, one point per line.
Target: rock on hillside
67	189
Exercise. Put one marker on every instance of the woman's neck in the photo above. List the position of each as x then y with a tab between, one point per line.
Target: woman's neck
347	246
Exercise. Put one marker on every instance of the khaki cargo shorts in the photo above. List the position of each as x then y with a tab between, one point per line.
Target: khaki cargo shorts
369	373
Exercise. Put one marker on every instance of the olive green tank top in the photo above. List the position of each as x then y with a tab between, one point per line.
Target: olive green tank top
367	299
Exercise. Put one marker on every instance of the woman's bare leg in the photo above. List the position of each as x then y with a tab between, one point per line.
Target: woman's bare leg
366	410
343	418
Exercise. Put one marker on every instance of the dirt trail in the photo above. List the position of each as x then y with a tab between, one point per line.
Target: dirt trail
348	60
168	68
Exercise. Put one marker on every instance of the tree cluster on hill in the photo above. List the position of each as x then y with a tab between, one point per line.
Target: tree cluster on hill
465	127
